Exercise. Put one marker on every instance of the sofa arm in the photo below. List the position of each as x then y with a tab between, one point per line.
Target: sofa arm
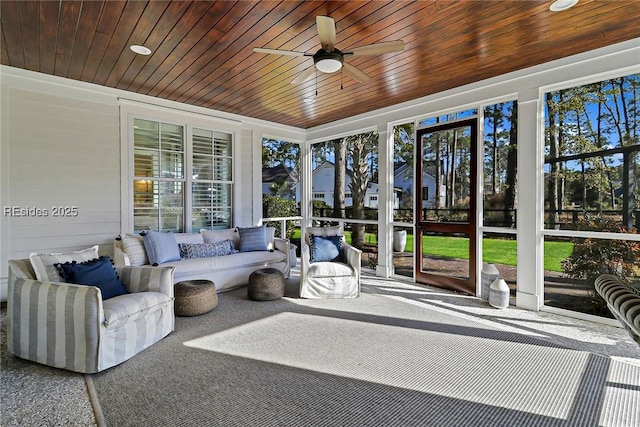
353	257
283	245
120	258
38	315
305	257
623	300
145	278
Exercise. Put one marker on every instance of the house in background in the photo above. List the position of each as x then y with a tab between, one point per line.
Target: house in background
403	181
323	178
281	180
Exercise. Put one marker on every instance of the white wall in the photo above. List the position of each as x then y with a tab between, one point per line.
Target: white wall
58	151
61	145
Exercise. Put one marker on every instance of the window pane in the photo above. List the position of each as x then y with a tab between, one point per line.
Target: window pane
500	164
403	170
211	205
146	163
281	184
446	254
592	152
222	168
403	260
146	134
447	118
202	141
172	165
447	172
211	158
211	199
365	238
158	205
222	144
347	165
171	137
572	265
501	251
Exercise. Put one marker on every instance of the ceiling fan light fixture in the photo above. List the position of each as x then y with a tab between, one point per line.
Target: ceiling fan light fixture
328	62
560	5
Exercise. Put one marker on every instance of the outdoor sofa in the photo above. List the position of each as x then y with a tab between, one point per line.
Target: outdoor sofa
226	257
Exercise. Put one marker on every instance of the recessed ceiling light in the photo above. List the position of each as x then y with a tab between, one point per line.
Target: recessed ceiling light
560	5
141	50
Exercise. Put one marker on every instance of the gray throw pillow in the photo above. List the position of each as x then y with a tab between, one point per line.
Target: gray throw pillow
253	239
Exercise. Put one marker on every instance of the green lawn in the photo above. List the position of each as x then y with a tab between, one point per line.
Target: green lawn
495	251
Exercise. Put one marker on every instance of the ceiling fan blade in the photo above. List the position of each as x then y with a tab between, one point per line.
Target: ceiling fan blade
304	75
377	48
278	51
326	27
355	73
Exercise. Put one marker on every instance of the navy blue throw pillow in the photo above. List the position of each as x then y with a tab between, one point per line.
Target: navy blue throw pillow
325	248
96	272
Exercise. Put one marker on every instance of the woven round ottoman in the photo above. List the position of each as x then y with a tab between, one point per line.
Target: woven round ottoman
266	284
194	297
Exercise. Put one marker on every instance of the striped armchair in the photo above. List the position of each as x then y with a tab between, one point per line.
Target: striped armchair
70	327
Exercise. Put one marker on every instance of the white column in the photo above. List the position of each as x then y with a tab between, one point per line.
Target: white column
385	202
306	173
530	278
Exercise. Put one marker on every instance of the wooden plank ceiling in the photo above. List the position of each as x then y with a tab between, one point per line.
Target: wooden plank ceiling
202	51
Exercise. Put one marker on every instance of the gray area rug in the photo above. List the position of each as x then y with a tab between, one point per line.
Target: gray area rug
37	395
388	358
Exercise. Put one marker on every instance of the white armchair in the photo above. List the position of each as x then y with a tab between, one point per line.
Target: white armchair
338	278
70	327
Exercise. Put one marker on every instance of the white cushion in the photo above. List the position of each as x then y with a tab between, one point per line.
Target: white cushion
330	269
204	266
270	235
189	238
133	246
129	307
43	264
215	236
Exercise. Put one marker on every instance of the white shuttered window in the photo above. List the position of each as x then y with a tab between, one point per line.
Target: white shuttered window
183	177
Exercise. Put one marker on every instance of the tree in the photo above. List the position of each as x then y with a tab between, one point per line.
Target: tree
554	152
340	177
360	148
512	154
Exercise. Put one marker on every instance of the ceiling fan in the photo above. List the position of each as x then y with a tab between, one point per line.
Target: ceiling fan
329	59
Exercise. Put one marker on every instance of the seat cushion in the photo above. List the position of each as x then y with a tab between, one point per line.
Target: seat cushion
204	266
127	308
330	269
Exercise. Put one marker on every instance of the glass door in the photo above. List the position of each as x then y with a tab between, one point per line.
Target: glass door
446	205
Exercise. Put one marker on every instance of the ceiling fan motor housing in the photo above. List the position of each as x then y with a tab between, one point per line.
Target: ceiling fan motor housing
328	62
